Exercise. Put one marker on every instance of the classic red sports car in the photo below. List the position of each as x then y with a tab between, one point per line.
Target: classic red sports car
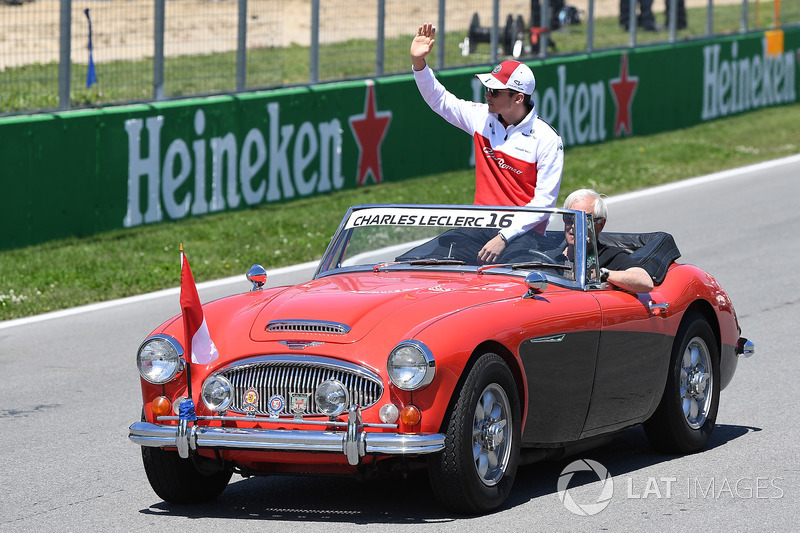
404	351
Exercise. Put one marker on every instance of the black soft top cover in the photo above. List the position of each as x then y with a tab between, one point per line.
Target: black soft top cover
653	251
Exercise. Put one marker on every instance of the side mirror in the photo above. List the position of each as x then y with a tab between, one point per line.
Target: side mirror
536	282
257	275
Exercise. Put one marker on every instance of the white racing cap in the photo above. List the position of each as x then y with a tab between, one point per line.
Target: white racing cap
510	74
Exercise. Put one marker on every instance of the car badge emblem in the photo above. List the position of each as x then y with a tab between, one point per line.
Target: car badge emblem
300	345
250	399
275	405
299	402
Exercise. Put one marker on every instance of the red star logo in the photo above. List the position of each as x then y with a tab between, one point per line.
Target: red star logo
369	130
623	89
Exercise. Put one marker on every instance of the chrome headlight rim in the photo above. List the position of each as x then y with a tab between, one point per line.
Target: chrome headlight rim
174	349
427	366
228	389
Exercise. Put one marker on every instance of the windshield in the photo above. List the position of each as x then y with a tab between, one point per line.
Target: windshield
385	238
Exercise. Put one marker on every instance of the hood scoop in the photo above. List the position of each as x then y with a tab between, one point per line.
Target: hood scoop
308	326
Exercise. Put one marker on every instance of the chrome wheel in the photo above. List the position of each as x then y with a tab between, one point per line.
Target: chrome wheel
491	437
685	416
696	383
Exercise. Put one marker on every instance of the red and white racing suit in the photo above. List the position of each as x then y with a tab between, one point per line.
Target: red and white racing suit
514	165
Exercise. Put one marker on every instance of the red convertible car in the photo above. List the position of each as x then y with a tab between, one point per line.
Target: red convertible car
404	351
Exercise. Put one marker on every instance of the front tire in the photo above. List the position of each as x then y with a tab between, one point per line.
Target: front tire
177	480
475	472
687	413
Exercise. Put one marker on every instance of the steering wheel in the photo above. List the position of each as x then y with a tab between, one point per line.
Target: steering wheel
536	254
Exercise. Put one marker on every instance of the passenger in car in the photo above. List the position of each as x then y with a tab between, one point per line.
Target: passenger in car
616	266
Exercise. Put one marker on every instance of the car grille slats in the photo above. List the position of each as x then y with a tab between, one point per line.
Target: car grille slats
287	378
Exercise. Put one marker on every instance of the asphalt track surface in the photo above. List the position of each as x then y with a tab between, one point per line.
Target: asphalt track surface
70	389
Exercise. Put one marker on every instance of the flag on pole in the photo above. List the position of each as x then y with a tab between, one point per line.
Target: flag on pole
91	75
198	339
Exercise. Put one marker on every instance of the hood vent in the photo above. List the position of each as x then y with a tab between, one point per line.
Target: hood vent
308	326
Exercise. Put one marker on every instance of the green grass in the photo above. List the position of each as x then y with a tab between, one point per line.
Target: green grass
35	87
71	272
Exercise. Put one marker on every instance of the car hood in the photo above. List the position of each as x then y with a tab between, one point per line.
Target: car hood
363	301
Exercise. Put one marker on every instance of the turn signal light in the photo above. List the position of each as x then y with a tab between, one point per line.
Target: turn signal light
410	415
161	406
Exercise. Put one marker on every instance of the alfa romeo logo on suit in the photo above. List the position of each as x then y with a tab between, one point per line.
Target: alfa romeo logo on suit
586	509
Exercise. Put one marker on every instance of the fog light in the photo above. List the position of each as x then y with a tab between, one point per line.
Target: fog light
389	413
331	397
410	415
217	392
160	406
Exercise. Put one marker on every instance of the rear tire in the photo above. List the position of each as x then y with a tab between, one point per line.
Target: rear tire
475	472
687	413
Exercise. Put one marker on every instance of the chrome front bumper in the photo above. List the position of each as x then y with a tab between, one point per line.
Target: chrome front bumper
353	442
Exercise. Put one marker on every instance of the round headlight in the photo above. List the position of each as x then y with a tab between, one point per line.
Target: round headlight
217	392
411	365
331	397
159	359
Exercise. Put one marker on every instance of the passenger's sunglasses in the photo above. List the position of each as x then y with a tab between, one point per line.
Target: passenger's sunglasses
569	220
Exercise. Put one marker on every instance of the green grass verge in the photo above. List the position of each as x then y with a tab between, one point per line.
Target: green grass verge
72	272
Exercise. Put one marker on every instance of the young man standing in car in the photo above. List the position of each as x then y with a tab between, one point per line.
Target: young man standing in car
519	158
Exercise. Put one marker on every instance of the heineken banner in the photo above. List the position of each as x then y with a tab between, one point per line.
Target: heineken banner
82	172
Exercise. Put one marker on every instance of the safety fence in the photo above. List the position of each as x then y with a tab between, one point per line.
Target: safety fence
69	54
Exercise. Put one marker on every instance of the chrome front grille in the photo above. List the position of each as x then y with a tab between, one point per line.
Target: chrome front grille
271	377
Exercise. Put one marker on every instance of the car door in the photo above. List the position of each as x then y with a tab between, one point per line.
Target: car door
558	353
632	360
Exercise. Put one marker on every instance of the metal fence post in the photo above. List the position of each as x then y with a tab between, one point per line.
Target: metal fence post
313	64
710	18
743	24
65	49
241	47
381	44
673	20
158	51
544	38
494	35
440	37
590	28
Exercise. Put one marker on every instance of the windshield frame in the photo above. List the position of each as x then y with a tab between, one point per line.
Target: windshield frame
332	260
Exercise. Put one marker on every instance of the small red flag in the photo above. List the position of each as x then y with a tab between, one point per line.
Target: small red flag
198	339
